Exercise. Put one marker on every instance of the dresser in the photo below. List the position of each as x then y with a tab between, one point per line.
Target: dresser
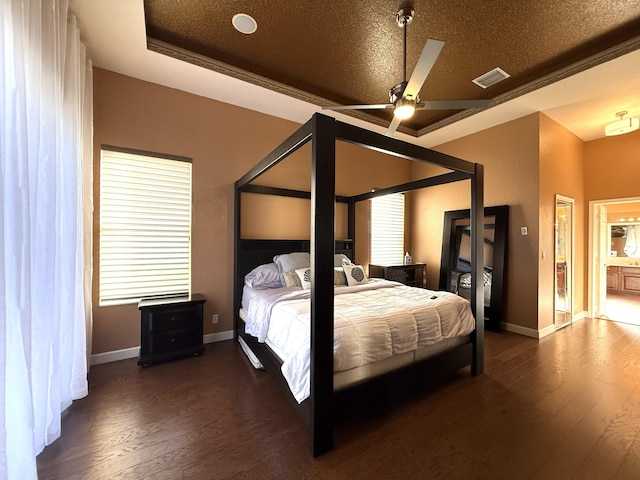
411	274
170	328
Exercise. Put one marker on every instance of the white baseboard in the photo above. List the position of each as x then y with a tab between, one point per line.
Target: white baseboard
528	332
125	353
532	332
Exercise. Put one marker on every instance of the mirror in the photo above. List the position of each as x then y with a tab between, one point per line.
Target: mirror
624	240
563	258
455	262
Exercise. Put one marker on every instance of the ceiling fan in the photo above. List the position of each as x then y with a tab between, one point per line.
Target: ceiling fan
403	97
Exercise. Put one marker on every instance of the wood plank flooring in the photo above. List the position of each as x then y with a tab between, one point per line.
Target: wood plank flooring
566	406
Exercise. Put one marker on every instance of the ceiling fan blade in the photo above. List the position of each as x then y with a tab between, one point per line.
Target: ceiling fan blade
427	58
452	104
359	107
395	123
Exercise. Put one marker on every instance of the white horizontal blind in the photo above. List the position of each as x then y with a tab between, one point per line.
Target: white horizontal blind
387	229
145	227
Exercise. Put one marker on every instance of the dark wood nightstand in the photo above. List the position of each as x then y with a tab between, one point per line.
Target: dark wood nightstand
170	328
411	274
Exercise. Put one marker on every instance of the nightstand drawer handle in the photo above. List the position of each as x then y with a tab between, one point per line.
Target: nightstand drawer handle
173	340
173	319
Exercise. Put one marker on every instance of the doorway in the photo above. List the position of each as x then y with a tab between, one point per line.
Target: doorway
563	303
614	272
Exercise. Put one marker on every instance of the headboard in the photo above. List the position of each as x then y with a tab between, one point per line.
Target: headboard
254	252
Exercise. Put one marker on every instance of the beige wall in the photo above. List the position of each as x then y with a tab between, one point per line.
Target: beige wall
527	161
224	142
509	153
612	167
561	173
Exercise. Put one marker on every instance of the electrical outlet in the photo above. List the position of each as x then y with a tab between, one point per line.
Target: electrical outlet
214	318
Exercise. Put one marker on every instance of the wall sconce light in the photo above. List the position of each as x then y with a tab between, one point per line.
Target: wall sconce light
624	125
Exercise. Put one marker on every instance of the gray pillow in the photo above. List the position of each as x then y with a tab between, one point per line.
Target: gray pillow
340	259
289	262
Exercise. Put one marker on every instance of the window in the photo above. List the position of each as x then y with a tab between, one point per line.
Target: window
387	229
145	226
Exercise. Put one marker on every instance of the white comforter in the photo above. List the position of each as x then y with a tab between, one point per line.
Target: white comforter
372	322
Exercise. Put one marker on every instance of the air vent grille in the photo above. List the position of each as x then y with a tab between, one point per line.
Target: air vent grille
491	78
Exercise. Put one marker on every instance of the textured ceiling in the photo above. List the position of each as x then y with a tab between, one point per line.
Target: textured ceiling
346	52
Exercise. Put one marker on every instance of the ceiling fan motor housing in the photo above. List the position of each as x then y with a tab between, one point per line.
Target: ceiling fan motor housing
397	92
404	16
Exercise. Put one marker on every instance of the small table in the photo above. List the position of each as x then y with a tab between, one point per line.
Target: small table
411	274
170	328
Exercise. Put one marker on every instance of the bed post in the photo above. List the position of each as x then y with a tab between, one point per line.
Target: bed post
322	248
477	262
237	289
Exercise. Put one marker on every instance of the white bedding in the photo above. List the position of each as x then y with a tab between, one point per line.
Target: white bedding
372	322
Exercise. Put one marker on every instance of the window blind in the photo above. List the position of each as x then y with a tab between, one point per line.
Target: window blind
387	229
145	227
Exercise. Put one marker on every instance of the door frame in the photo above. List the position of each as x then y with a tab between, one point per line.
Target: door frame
597	269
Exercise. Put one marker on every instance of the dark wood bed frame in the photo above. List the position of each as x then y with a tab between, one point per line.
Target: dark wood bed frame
318	411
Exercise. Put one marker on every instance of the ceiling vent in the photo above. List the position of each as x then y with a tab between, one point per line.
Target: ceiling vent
491	78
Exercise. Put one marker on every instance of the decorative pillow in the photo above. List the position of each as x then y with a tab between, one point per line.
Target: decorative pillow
340	259
355	274
339	277
291	279
304	275
263	276
288	262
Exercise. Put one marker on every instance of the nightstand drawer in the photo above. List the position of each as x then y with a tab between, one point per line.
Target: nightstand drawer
172	342
175	319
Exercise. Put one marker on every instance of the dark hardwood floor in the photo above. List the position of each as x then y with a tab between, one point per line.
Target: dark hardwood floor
566	406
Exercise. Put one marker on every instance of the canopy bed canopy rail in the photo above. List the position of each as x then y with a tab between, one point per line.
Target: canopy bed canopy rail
323	132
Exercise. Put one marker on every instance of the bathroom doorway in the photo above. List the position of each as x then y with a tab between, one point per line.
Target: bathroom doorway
615	260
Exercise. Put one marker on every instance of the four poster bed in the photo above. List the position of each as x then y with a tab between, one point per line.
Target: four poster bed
306	313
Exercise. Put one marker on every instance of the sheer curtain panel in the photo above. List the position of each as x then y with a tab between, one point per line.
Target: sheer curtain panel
45	155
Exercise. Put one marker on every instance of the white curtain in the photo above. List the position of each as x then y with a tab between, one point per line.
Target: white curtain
44	310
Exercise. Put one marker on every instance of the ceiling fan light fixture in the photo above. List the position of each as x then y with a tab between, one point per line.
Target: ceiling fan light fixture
404	108
624	125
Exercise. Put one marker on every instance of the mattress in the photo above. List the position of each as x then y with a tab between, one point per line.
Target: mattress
378	327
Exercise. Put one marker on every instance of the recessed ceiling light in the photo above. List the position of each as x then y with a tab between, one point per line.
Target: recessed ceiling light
244	23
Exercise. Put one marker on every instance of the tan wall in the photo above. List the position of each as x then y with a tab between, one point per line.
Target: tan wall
561	172
224	142
612	167
509	153
521	169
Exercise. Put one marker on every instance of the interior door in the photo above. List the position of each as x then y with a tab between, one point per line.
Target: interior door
563	261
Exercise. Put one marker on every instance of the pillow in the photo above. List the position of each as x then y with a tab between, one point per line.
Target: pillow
291	279
263	276
355	274
304	275
338	276
288	262
340	259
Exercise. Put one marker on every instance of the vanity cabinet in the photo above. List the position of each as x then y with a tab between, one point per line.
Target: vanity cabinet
623	280
613	285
